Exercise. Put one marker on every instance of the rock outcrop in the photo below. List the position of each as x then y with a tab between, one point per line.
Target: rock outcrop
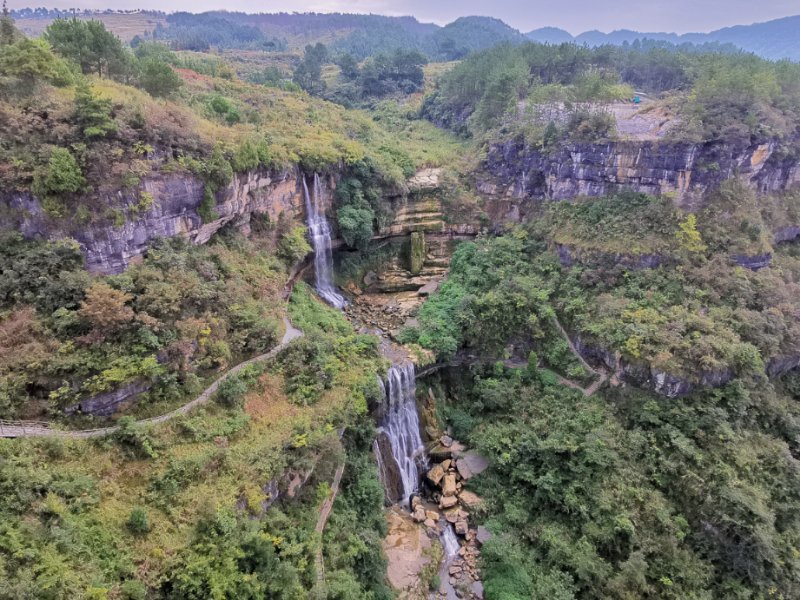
514	173
106	404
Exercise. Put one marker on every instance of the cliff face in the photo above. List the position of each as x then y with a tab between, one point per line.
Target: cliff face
174	211
513	174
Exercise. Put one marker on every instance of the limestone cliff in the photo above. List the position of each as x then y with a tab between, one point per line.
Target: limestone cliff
514	173
177	197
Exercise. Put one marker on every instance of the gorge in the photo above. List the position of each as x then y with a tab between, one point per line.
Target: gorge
299	312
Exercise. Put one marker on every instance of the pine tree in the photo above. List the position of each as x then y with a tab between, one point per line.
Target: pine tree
93	113
8	32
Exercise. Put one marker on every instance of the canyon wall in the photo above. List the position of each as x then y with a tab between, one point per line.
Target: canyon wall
175	210
514	175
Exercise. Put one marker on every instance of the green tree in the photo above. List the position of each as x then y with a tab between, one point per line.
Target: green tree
93	113
137	521
27	61
61	176
293	245
355	224
89	44
689	237
308	74
8	33
349	66
158	78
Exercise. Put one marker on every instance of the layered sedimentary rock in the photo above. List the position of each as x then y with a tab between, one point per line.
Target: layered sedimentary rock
514	173
175	210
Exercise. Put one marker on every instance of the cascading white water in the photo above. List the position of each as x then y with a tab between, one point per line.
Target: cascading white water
401	426
320	232
450	544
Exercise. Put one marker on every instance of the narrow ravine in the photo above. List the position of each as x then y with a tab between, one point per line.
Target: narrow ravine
398	446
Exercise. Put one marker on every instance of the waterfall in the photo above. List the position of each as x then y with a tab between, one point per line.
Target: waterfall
320	232
400	428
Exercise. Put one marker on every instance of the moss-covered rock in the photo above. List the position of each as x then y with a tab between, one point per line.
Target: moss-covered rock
417	256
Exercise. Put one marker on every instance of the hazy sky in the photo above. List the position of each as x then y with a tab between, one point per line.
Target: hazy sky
573	15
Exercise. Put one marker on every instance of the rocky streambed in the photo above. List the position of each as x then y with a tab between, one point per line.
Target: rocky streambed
439	531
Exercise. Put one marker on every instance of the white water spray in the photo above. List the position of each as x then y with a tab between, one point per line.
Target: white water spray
320	232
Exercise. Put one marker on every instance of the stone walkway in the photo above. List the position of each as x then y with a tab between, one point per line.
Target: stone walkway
17	429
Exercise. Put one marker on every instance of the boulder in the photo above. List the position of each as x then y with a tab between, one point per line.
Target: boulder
370	278
446	441
471	464
432	514
483	535
446	464
435	474
419	514
470	499
449	485
462	527
448	502
430	523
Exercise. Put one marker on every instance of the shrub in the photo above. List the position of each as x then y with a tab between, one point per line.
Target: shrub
133	590
134	440
158	78
231	391
61	176
207	209
137	521
93	113
246	158
355	224
293	245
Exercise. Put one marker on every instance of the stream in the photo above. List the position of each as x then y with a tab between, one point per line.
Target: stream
398	447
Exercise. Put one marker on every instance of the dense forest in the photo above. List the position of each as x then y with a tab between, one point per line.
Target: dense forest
624	493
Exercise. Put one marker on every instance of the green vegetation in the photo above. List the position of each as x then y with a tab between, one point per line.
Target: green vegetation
178	318
624	493
187	31
695	315
548	92
628	495
210	124
120	517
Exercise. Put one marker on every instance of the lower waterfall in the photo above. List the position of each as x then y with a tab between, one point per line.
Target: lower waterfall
398	447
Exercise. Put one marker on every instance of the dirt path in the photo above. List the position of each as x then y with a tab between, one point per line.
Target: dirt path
324	513
15	429
574	350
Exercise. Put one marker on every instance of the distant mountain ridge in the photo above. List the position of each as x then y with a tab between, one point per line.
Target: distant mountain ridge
364	35
774	40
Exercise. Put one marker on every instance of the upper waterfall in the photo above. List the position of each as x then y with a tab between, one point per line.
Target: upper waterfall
320	232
